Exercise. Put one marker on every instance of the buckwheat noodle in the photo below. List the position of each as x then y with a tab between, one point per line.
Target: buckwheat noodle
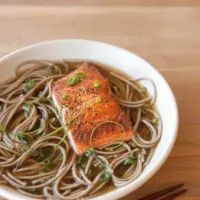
34	163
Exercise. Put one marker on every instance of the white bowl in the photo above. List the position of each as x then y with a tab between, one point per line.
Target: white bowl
117	58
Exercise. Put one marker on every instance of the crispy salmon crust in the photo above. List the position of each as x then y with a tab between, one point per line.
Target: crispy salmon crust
91	106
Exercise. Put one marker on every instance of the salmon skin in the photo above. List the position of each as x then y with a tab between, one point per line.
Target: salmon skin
98	118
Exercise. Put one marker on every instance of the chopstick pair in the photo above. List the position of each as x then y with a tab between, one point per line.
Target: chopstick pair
172	193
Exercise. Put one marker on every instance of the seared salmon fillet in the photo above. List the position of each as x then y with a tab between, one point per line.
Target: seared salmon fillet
91	106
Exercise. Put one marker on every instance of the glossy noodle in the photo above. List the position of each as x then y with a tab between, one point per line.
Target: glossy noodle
35	156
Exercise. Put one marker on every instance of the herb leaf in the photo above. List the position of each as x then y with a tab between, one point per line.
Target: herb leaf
80	160
130	160
98	99
143	89
105	176
63	96
89	152
21	137
81	75
32	190
96	83
29	85
2	128
155	121
75	78
133	144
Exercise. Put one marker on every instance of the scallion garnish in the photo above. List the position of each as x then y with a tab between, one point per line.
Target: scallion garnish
80	160
67	128
133	144
29	85
81	75
130	160
89	152
75	78
46	162
63	96
155	121
105	122
96	83
32	190
143	89
28	107
24	148
53	120
54	69
98	99
101	166
21	137
105	176
2	128
29	133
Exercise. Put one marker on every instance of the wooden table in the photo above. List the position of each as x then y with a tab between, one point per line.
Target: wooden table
165	33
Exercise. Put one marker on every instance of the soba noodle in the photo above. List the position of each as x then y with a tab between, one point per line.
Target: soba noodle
38	161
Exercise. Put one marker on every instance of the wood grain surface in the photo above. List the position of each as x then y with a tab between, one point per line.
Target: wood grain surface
164	32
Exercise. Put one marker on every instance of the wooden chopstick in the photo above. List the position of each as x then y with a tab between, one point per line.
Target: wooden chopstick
162	192
174	195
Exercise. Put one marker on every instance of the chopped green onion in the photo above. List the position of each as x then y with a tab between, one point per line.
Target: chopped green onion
32	190
155	121
143	89
77	77
83	165
63	96
2	128
53	120
111	148
24	148
88	152
67	128
54	69
101	166
80	160
132	157
105	176
130	160
98	99
133	144
28	105
29	85
81	75
46	162
72	80
96	83
105	122
21	137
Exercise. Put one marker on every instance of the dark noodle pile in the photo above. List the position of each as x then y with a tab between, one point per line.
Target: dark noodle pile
35	156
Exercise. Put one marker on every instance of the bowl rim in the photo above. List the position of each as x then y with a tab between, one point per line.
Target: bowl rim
123	191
